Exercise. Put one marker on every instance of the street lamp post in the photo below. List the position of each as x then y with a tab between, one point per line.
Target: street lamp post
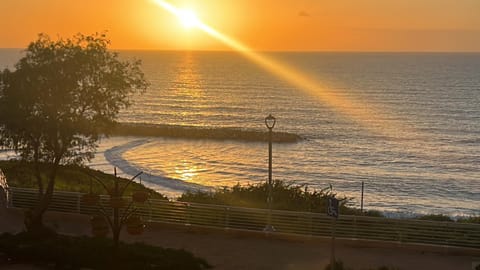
270	123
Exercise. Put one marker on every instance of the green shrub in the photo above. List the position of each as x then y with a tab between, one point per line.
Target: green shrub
285	197
472	219
436	217
97	253
338	266
373	213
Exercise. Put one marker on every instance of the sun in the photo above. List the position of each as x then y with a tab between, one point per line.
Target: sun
188	18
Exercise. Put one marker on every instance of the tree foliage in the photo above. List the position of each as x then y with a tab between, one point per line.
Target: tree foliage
62	95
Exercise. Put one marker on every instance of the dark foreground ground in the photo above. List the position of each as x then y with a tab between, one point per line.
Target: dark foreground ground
239	250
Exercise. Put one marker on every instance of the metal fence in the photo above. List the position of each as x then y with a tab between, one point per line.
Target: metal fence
286	222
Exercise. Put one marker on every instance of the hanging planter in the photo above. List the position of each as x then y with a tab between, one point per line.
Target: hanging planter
135	225
117	202
99	226
111	192
90	199
140	196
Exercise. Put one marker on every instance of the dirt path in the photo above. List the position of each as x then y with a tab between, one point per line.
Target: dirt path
233	250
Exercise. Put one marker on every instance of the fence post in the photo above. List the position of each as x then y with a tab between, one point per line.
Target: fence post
227	217
187	212
399	231
454	233
9	198
310	229
355	227
78	202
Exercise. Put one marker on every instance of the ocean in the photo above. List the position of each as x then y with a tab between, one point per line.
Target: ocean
416	147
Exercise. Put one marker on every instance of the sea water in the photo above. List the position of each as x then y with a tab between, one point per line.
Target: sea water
417	149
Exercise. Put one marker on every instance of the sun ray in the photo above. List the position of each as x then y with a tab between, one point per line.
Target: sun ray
366	116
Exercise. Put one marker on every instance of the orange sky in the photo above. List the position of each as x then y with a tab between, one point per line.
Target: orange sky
318	25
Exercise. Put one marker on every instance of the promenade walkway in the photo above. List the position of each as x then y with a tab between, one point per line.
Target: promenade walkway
235	250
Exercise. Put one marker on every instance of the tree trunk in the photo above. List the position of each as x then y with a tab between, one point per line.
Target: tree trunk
34	219
37	173
116	237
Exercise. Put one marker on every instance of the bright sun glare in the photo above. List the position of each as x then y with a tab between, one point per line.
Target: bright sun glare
188	18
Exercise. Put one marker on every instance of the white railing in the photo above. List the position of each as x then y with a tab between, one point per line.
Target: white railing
285	222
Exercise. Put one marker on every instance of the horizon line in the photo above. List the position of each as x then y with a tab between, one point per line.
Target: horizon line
279	51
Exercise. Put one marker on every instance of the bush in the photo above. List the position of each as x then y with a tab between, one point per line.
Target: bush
472	219
373	213
338	266
285	197
96	253
436	217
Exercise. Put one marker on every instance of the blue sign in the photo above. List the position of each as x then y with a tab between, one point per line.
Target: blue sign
332	208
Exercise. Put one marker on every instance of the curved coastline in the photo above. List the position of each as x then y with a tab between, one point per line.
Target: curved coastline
114	157
193	132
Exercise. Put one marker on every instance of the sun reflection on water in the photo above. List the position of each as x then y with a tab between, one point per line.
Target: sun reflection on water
185	171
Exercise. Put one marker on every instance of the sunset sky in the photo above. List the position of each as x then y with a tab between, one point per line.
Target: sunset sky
289	25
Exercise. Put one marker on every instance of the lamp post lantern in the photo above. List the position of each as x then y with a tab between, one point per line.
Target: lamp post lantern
270	123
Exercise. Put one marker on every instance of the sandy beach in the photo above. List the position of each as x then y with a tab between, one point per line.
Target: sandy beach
242	250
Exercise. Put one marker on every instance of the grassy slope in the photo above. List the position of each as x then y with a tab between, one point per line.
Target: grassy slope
69	178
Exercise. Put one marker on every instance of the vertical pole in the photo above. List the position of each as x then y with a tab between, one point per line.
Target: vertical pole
270	123
270	184
270	157
116	230
361	203
332	255
78	202
227	217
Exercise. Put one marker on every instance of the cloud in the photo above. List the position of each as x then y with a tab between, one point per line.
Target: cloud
303	13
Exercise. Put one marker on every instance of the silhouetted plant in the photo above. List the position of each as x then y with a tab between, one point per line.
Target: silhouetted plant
436	217
338	266
285	197
472	219
66	252
123	213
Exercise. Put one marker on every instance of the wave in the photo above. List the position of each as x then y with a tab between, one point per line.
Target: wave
114	156
194	132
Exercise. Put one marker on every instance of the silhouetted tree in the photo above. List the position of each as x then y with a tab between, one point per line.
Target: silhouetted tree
59	99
